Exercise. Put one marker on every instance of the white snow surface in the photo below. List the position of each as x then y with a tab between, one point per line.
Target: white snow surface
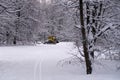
40	62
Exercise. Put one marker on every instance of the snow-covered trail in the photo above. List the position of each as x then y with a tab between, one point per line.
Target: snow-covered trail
40	63
32	62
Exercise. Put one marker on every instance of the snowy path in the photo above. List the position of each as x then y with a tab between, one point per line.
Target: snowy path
40	63
31	62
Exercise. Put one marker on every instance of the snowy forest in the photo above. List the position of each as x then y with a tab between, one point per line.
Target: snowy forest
93	26
29	21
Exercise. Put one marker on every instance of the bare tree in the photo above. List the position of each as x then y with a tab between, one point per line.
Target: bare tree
17	20
85	45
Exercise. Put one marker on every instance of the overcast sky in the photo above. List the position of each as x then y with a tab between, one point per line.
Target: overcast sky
45	0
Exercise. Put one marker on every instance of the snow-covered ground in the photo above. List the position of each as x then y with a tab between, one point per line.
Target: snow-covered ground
40	62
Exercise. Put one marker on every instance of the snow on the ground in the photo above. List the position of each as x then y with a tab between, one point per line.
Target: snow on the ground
40	62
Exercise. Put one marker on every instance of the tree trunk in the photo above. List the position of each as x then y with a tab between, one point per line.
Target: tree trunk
7	37
85	45
17	26
14	40
90	28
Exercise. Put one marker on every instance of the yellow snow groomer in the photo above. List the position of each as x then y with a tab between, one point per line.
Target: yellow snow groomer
51	40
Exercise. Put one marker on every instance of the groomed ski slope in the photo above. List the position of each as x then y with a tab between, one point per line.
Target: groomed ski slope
40	62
